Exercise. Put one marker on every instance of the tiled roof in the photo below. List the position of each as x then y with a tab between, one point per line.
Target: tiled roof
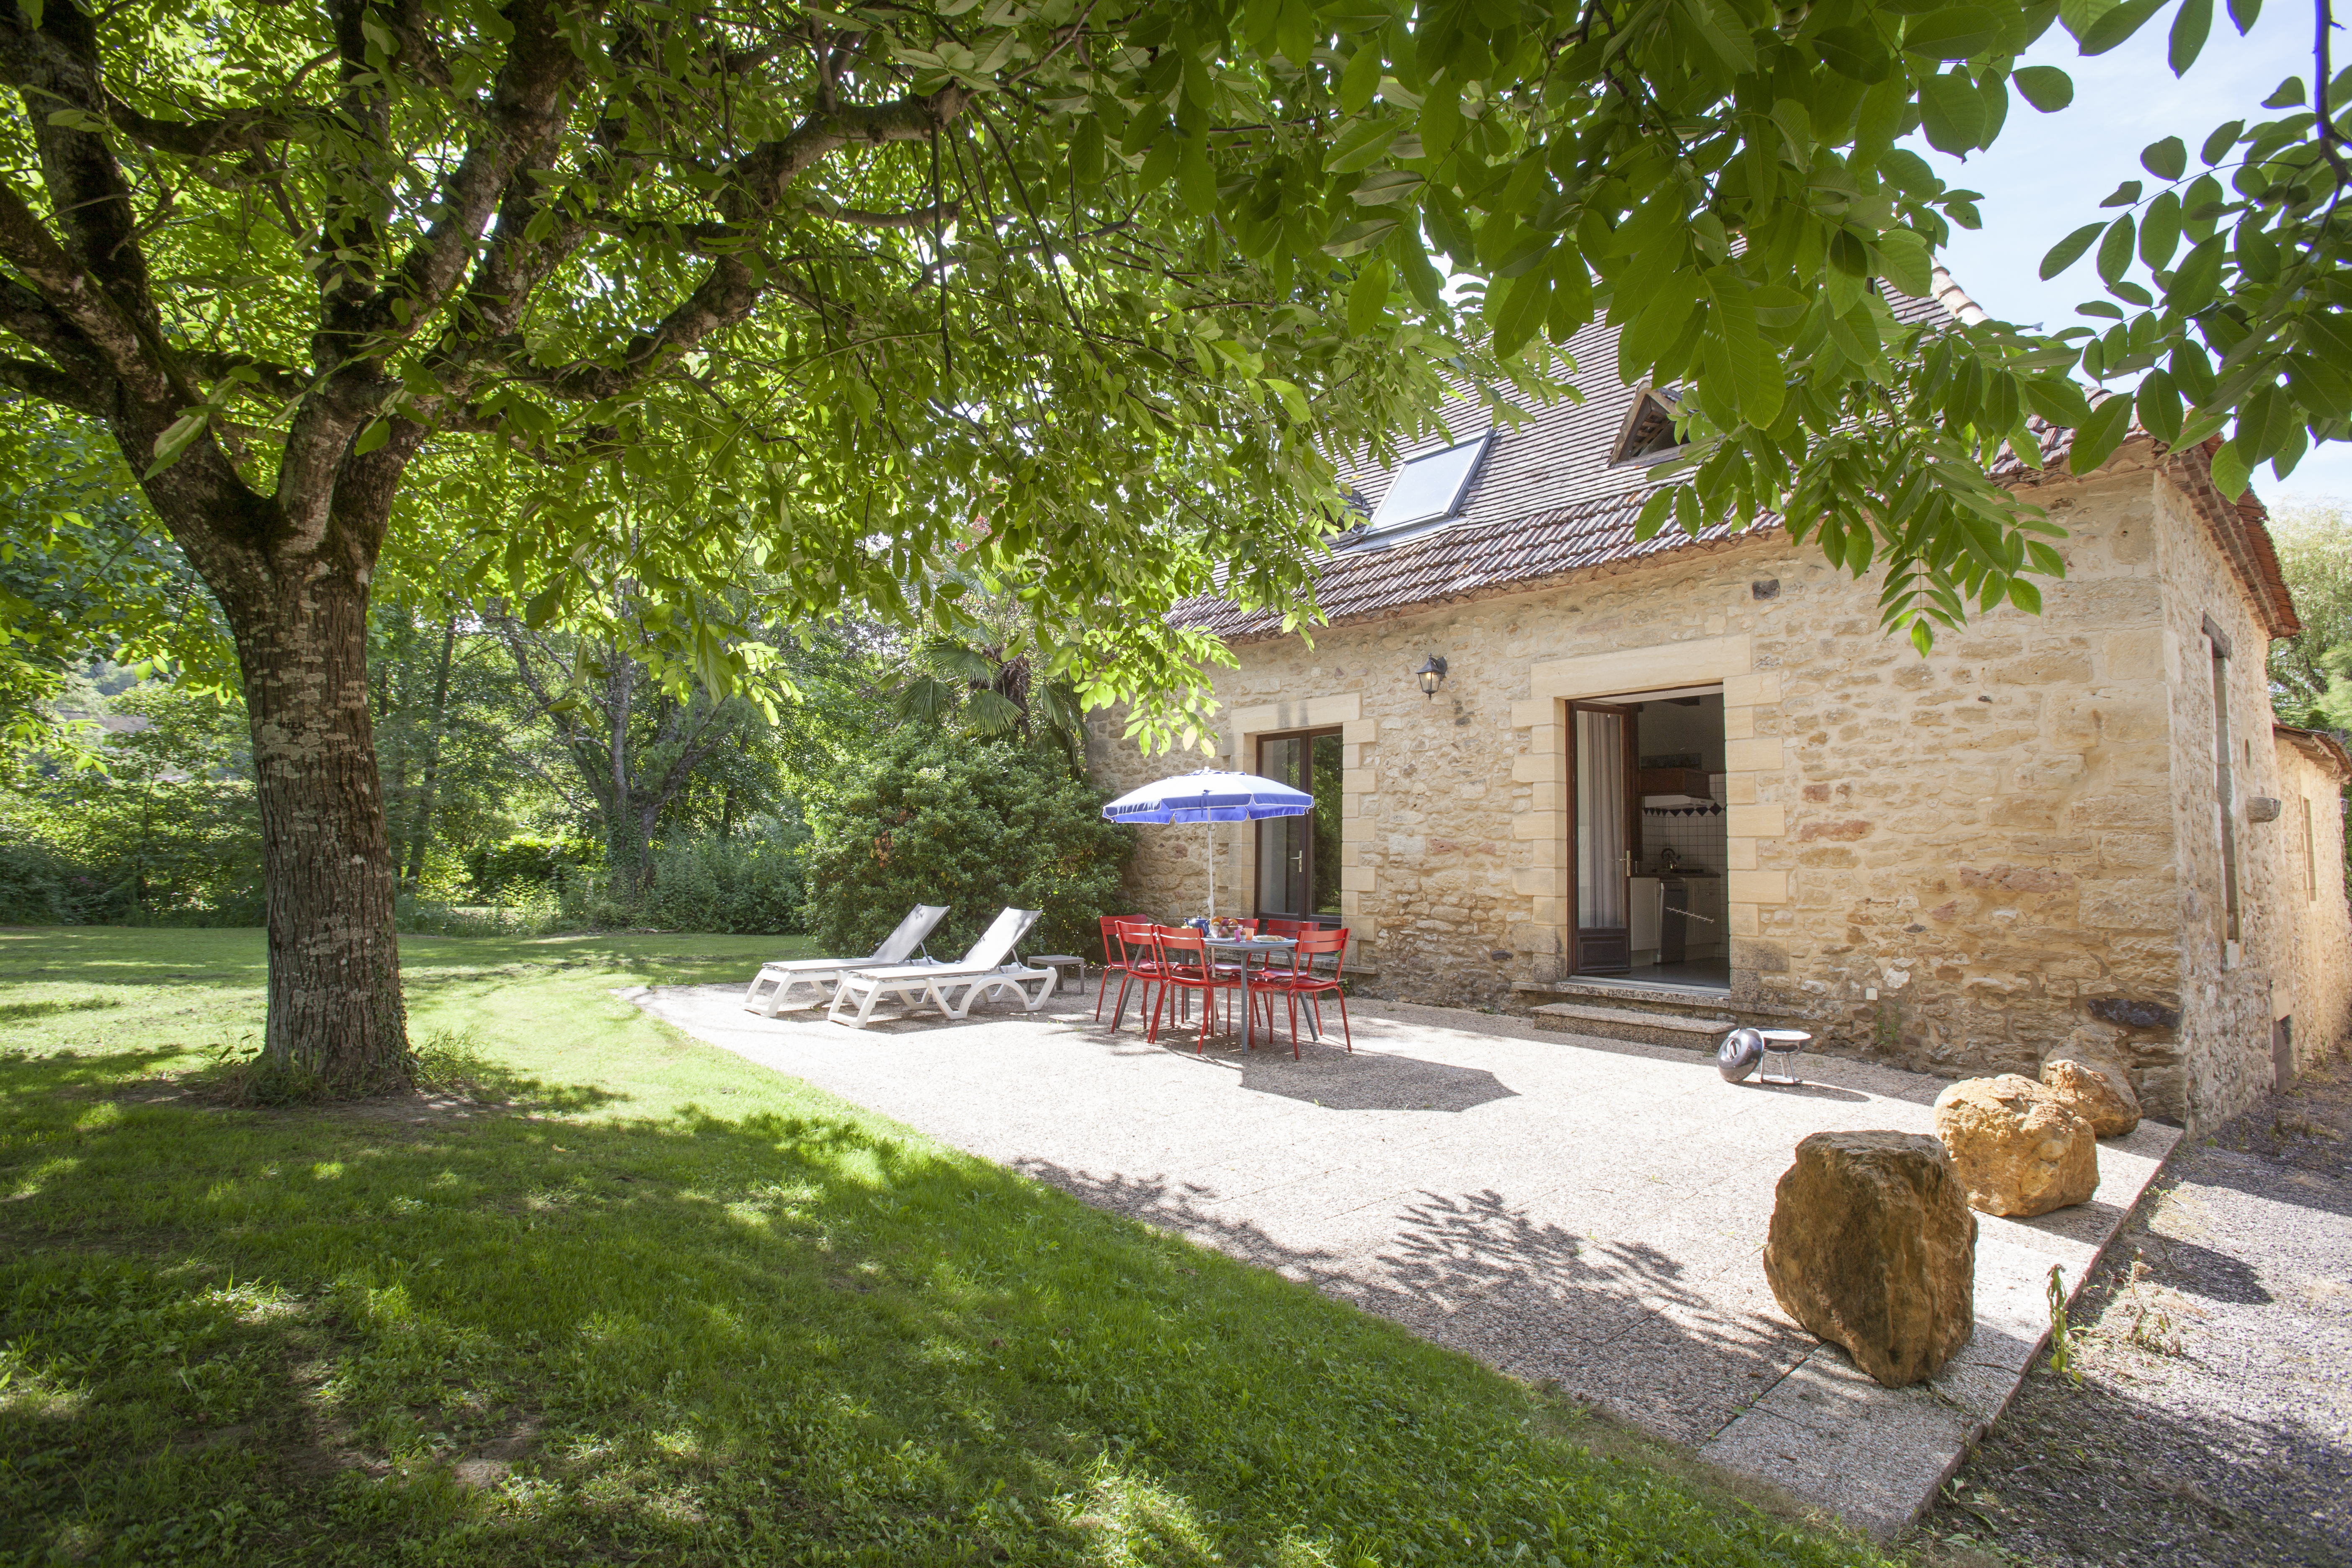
1547	502
1547	499
2321	747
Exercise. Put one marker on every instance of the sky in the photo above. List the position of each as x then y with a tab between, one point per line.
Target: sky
2046	173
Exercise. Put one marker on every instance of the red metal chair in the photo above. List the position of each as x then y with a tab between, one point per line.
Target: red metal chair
1184	968
1129	937
1304	980
1114	955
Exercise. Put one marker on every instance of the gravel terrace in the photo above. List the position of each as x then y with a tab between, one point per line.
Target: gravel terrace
2213	1425
1578	1211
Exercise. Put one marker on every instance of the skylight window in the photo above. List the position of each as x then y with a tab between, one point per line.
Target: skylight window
1426	489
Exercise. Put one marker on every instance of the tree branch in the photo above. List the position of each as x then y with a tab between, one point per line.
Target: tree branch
53	386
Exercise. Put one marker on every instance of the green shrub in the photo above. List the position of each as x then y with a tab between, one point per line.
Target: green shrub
504	870
40	887
89	850
750	884
973	825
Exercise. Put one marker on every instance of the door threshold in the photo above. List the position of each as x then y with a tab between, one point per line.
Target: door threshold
1632	983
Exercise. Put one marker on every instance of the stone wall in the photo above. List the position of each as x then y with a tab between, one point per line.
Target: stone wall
1943	862
2300	879
2225	989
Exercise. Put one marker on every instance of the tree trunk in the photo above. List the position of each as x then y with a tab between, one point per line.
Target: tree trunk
336	1014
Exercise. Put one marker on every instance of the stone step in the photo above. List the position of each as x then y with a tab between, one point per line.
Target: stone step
1644	1028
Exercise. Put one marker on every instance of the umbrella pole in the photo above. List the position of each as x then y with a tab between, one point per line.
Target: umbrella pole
1211	829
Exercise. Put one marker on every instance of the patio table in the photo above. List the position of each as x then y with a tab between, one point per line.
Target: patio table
1264	946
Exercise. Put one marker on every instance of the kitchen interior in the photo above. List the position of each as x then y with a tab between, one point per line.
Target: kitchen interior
1677	893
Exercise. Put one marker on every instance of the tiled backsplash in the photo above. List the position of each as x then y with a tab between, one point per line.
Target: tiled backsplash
1695	834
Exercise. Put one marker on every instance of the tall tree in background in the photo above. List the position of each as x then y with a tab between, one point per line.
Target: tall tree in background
2311	672
280	251
1115	274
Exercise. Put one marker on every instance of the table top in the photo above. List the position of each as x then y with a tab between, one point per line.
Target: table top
1784	1034
1271	943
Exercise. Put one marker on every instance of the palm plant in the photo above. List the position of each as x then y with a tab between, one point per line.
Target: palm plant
987	676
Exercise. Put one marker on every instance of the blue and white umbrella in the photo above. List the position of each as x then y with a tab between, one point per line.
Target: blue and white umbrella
1210	795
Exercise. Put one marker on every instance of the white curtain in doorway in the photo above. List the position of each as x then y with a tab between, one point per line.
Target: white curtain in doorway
1599	820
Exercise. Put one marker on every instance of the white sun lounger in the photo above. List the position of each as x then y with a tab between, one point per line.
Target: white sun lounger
982	970
771	989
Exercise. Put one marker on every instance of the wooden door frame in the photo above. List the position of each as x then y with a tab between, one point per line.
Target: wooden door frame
1631	762
1257	764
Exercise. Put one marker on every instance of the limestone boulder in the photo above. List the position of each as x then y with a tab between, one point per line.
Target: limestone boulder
2019	1150
2101	1096
1873	1247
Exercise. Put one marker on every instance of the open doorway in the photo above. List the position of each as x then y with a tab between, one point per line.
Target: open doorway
1647	846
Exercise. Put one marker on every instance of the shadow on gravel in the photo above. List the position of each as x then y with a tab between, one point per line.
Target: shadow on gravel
2212	1428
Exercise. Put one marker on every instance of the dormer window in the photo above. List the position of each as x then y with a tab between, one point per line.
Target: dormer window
1649	433
1426	488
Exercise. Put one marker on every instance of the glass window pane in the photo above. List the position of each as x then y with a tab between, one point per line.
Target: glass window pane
1324	819
1431	487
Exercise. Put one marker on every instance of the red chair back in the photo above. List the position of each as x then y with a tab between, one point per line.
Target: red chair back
1113	951
1184	952
1315	942
1283	928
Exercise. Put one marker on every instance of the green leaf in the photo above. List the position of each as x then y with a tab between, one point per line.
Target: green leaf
1294	402
2231	470
1355	238
1196	177
1368	300
1906	263
2159	407
2167	160
1360	145
2198	277
2046	88
1161	161
2160	231
1725	33
2116	249
1856	53
176	438
2058	401
2069	250
2119	24
374	435
2188	31
1952	112
1361	79
2242	14
2217	147
2096	438
1954	34
2125	195
2288	94
2025	595
1756	388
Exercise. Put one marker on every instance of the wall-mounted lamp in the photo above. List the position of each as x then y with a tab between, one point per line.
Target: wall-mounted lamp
1431	673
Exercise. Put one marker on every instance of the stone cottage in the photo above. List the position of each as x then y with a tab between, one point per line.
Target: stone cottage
1646	789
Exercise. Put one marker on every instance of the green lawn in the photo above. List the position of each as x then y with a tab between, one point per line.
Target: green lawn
657	1304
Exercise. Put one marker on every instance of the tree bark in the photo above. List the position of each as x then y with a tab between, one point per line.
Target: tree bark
336	1014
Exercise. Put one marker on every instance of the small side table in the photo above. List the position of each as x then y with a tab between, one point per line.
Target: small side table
1059	960
1785	1044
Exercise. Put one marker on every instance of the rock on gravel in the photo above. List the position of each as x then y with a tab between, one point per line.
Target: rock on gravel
1873	1247
2212	1428
2020	1152
2105	1100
